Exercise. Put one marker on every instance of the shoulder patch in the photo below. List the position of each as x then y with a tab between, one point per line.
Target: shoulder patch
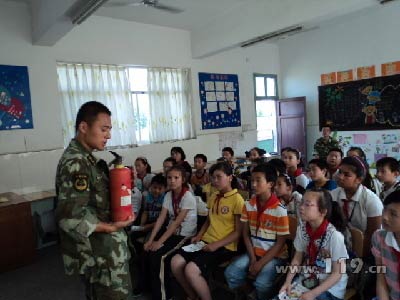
80	182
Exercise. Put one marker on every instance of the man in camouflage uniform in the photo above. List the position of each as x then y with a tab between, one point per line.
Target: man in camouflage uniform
91	245
325	143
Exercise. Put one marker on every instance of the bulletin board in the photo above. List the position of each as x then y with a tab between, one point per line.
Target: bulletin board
219	100
15	98
368	104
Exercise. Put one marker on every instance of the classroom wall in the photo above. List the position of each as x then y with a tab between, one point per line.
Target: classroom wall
28	158
367	38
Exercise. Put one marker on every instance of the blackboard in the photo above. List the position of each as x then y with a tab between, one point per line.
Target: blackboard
368	104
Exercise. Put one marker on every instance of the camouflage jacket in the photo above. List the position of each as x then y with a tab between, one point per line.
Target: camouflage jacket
322	147
83	201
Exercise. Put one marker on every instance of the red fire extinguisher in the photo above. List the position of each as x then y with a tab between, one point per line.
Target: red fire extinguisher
121	190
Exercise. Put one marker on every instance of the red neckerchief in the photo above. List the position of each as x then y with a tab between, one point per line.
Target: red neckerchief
296	173
312	248
218	199
261	208
199	177
177	200
346	208
397	253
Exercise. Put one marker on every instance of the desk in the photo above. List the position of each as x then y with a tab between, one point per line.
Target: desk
16	232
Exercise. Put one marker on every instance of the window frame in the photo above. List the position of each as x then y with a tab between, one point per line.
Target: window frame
265	76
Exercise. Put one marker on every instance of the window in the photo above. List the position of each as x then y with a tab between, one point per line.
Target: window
265	95
148	105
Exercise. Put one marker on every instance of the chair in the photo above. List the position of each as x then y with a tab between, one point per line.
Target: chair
357	242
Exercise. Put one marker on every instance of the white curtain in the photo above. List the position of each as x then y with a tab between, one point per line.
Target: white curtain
108	84
170	104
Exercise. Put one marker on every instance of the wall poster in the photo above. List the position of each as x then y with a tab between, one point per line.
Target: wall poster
15	98
219	100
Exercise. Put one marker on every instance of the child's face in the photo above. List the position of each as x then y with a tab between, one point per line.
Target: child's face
199	164
290	159
176	155
220	180
174	180
260	183
352	153
334	159
227	155
391	217
166	166
281	188
385	175
253	155
140	167
309	210
347	179
157	190
316	173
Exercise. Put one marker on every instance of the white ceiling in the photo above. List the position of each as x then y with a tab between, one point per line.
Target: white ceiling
196	13
214	25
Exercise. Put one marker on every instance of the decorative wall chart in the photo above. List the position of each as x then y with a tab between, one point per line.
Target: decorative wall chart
368	104
15	98
219	100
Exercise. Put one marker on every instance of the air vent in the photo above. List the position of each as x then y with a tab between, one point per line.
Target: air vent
83	9
385	1
273	35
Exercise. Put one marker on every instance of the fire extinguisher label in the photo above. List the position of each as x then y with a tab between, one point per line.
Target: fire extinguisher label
125	200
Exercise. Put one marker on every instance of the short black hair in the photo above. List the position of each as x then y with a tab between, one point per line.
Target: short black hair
170	159
320	163
260	151
160	180
360	152
393	197
201	156
278	164
268	171
228	149
179	150
89	111
336	149
390	162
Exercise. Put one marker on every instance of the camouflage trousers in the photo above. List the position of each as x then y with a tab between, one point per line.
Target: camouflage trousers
120	290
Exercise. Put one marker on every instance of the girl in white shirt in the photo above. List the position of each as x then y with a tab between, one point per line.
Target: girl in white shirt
291	158
321	247
361	207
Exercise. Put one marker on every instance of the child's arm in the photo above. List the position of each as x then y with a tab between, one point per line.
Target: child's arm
296	261
272	252
247	242
170	230
373	224
330	281
201	232
143	219
382	290
160	221
232	237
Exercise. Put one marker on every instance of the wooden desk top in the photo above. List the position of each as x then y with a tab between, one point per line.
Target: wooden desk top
14	198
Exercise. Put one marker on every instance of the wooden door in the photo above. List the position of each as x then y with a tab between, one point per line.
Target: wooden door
291	115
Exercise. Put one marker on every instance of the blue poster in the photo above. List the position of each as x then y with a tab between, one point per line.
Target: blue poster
219	100
15	98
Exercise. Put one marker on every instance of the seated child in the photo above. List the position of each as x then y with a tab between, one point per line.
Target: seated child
370	183
200	176
228	154
179	207
318	174
220	233
143	174
256	153
291	199
386	249
319	245
265	229
333	160
388	169
168	163
291	158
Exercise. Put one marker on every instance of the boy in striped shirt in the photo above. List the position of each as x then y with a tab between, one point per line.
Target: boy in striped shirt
265	229
386	249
